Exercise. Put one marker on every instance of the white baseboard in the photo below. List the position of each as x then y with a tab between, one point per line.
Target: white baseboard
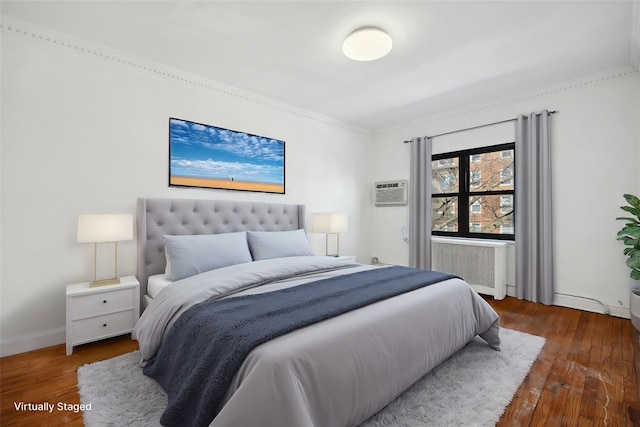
33	342
584	304
589	305
618	311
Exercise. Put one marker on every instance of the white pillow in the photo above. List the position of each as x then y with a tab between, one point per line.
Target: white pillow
278	244
190	255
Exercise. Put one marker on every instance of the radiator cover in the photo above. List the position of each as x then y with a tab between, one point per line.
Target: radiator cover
481	263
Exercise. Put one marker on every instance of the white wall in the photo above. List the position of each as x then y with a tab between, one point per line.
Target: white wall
85	130
596	144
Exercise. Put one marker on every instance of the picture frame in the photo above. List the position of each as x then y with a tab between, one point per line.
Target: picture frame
207	156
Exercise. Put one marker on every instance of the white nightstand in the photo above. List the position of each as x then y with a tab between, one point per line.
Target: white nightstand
347	258
101	312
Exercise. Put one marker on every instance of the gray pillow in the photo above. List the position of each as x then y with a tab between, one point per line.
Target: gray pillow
278	244
190	255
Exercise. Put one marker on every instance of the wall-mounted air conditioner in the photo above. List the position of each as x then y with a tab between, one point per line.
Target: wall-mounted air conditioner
391	193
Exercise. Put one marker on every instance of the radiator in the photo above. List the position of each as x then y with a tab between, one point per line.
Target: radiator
482	264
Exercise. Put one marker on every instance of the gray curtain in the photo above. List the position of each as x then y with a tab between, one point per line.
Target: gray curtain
533	221
420	204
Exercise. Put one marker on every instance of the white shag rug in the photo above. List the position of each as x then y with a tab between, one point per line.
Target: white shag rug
472	388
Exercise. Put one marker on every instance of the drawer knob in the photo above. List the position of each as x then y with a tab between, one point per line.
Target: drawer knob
104	325
104	301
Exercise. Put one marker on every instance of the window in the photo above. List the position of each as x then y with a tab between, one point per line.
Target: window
445	163
473	193
446	181
506	176
506	229
476	207
506	204
476	177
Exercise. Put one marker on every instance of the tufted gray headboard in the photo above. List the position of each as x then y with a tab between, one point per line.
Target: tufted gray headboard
159	217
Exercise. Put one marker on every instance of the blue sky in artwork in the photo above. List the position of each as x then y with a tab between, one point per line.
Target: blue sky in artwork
210	152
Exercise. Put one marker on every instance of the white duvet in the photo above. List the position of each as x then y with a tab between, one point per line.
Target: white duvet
338	372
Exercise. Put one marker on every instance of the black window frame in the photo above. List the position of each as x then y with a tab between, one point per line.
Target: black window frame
464	191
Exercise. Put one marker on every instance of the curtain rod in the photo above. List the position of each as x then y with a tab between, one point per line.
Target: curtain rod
477	127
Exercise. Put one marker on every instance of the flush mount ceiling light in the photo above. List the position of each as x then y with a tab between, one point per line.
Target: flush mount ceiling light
367	44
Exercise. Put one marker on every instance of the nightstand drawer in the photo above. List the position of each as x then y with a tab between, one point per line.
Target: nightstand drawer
103	302
102	326
101	312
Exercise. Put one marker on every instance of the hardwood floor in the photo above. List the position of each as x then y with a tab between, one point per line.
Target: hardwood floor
586	374
49	375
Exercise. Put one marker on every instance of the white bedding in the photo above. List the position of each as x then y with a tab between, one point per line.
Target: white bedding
156	283
338	372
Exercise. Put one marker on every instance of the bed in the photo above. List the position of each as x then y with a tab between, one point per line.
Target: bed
336	370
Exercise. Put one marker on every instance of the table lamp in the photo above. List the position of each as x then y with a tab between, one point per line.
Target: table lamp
330	223
105	228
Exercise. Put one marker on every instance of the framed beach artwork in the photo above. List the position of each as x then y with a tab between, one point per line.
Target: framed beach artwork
208	156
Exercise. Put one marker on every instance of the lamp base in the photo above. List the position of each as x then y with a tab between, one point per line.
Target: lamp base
104	282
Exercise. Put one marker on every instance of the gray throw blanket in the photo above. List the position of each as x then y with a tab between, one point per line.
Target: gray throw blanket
207	344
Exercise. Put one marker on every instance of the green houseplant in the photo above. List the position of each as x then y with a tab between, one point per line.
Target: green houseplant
630	234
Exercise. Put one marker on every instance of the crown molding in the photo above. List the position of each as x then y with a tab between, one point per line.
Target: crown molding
82	47
635	36
568	85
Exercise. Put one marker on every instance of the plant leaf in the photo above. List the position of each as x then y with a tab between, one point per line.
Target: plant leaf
631	210
633	262
629	234
630	230
632	200
632	220
628	241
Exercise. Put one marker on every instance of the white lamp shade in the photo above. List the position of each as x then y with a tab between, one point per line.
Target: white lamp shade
367	44
329	223
105	228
